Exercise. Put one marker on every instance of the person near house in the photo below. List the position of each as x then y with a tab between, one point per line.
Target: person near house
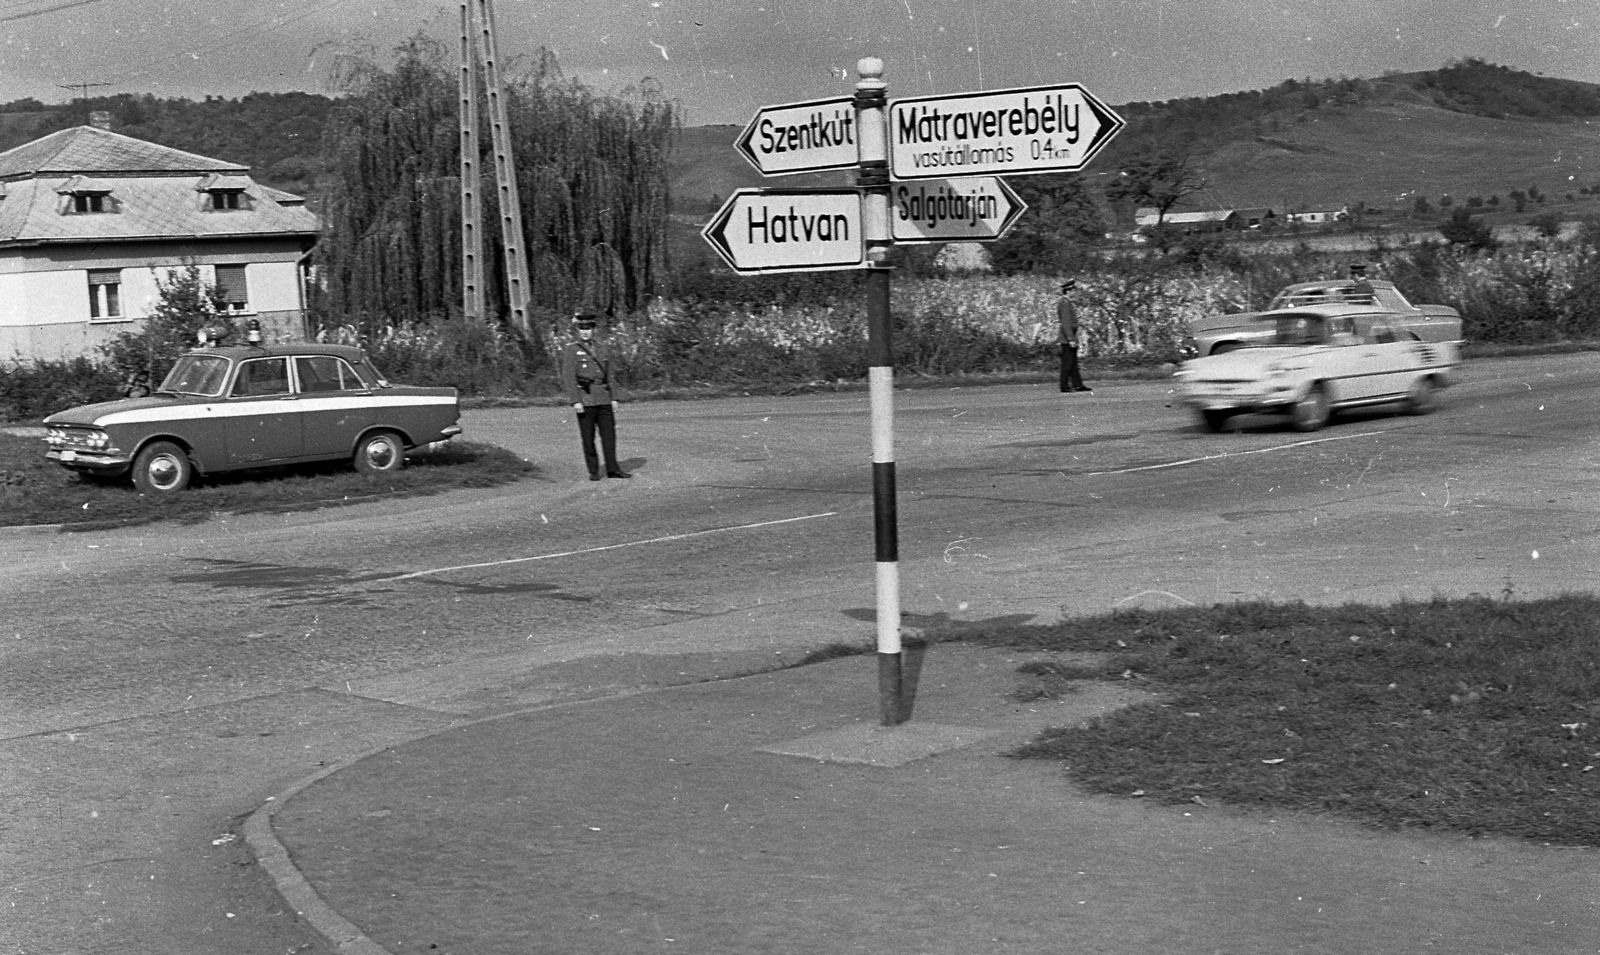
586	376
1067	315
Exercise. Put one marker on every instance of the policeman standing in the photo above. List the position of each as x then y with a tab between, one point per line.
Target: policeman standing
586	375
1067	315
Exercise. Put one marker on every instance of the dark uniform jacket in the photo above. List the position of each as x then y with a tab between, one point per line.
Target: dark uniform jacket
1068	317
586	374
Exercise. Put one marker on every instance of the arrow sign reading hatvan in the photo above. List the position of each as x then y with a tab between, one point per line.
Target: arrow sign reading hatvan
978	209
789	230
1007	132
801	137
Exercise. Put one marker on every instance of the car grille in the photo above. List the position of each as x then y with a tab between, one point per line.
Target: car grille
84	439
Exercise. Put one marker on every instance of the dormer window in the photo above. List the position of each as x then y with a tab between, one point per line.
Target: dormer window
224	193
85	196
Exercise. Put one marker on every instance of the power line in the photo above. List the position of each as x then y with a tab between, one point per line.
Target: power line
42	12
227	40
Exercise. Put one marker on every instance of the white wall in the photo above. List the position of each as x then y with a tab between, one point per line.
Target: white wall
44	301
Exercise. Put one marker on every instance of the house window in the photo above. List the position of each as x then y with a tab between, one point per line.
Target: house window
105	294
90	202
232	290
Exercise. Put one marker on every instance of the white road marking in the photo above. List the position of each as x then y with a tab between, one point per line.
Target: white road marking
1235	454
595	550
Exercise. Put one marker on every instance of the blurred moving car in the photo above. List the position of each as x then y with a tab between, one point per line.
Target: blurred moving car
1319	359
1216	334
247	406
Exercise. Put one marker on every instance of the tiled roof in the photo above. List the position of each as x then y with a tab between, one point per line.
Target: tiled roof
88	149
155	193
157	207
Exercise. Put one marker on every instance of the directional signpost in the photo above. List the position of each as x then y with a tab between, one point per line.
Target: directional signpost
1007	132
979	209
789	230
906	152
802	137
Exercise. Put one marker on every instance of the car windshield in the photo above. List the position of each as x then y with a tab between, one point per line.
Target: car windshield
1299	330
201	375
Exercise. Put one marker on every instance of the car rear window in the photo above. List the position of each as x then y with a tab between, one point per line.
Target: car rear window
325	373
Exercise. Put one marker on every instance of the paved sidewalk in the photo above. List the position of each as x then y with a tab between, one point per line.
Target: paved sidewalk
770	814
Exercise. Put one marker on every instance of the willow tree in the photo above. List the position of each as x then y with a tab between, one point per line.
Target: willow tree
592	171
392	229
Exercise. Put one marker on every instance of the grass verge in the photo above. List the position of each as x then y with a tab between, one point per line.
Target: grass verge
34	490
1477	715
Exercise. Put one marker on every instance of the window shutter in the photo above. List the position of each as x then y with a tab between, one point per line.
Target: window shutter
231	287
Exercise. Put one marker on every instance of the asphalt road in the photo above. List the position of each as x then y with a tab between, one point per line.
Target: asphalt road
158	683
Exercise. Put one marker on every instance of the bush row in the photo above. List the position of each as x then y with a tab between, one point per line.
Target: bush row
722	330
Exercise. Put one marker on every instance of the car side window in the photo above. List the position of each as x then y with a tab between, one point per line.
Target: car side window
324	373
1381	335
260	377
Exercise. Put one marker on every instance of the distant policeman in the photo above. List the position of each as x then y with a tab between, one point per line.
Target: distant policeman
586	376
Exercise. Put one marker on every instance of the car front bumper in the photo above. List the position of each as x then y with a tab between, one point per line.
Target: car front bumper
1243	396
97	461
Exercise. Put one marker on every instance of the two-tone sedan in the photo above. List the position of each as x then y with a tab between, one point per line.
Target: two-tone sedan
249	406
1216	334
1320	359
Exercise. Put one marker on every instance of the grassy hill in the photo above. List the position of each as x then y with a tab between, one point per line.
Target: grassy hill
1472	129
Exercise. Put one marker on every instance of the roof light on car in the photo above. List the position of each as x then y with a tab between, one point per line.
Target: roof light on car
253	335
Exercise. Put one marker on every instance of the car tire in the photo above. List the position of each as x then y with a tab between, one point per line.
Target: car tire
1222	348
1421	397
161	468
1313	410
1214	420
381	452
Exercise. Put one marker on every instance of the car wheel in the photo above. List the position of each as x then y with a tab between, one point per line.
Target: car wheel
1213	420
381	452
1312	411
161	468
1420	397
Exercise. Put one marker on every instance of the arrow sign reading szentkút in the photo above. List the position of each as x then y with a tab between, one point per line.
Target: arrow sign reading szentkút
978	209
1007	132
789	230
801	137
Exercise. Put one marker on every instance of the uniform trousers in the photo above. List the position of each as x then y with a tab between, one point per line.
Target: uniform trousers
1071	377
598	418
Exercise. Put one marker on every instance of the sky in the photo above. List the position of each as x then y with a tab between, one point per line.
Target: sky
722	60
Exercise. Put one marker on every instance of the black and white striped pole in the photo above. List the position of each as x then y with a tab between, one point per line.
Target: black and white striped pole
871	105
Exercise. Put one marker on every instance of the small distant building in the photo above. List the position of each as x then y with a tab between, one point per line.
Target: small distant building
1319	217
91	221
1216	220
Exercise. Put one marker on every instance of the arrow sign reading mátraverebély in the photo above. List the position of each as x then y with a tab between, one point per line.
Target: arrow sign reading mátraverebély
789	230
978	209
1007	132
801	137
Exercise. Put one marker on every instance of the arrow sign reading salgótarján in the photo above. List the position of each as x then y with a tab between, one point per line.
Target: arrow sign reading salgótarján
1007	132
801	137
789	230
978	209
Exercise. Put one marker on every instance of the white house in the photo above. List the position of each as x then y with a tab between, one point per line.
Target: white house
91	220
